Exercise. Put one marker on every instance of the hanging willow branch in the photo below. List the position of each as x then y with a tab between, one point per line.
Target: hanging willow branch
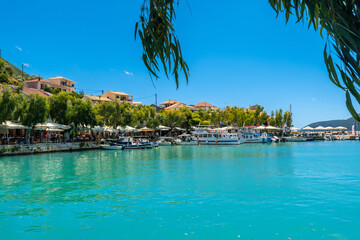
341	20
159	41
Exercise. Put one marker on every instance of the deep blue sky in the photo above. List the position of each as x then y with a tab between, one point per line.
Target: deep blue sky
238	53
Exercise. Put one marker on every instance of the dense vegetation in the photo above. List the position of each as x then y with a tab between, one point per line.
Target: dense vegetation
70	109
9	74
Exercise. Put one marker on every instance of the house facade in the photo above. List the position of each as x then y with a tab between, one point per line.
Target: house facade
205	106
39	84
168	103
94	99
118	96
64	84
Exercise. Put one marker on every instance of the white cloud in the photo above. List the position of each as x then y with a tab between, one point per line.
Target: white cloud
128	73
18	48
26	65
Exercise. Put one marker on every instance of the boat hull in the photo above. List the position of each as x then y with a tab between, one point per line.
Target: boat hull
109	147
139	146
187	143
219	142
295	139
164	144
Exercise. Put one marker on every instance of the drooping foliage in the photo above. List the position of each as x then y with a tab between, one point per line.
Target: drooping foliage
161	47
340	19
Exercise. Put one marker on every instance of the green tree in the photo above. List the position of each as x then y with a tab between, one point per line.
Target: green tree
287	119
4	78
279	118
7	105
35	110
81	114
59	106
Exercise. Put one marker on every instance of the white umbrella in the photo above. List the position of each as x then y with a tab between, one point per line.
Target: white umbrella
294	129
320	128
308	128
121	129
98	129
267	128
12	125
163	128
145	129
51	125
130	129
329	128
111	130
341	128
179	129
261	128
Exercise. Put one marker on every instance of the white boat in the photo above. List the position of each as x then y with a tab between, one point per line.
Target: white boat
139	145
111	147
185	139
295	139
256	138
213	137
166	141
275	139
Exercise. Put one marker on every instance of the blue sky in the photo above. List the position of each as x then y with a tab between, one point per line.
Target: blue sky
239	54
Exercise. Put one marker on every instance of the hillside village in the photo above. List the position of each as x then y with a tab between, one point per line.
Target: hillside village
13	77
32	100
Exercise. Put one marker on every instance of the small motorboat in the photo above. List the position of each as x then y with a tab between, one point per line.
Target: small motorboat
111	144
275	139
295	139
166	141
111	147
139	145
185	139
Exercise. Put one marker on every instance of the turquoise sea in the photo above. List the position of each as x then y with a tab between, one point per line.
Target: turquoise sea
252	191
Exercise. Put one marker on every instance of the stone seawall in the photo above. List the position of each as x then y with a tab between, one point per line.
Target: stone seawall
46	148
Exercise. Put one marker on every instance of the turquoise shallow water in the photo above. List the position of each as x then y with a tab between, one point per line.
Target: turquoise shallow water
255	191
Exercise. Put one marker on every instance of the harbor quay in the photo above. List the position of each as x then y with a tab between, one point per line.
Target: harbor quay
19	149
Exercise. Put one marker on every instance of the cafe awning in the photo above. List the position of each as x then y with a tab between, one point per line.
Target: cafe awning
12	125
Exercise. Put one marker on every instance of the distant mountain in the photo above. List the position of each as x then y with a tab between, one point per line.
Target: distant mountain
335	123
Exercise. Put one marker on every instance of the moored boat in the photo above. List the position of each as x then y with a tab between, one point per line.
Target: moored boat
185	139
213	137
111	147
139	145
295	139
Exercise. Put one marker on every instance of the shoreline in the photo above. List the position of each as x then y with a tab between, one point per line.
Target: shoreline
25	149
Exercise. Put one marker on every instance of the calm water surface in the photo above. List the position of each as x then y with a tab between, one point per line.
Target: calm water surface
256	191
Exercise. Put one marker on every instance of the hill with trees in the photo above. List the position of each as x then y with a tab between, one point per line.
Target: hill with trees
10	74
335	123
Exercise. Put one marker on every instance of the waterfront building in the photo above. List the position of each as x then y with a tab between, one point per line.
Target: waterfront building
168	103
118	96
95	99
28	91
64	84
39	84
206	106
176	106
158	109
253	108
